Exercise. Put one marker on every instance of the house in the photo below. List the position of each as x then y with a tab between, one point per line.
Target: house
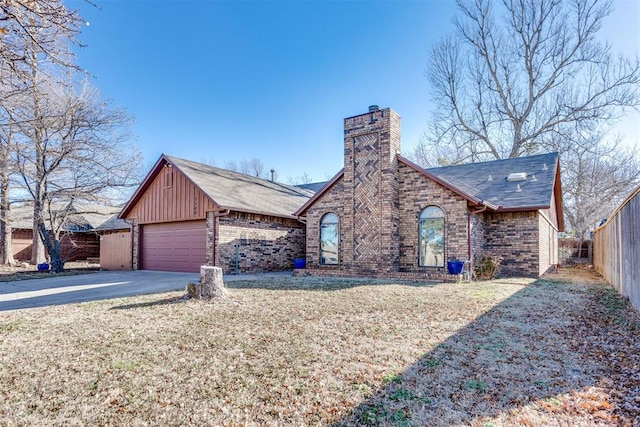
78	222
382	215
187	214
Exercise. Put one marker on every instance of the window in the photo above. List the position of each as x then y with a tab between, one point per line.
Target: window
431	236
329	239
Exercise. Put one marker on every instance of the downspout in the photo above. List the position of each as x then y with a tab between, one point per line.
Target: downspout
216	214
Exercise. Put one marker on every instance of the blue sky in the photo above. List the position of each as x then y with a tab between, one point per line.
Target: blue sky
229	80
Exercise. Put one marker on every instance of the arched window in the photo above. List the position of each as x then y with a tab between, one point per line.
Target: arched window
329	239
431	236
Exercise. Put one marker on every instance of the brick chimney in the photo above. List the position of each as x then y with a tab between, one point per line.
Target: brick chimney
371	214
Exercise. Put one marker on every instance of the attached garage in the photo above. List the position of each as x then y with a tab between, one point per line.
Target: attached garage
174	246
187	214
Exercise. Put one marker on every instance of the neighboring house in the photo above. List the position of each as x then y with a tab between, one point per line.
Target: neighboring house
382	215
187	214
78	238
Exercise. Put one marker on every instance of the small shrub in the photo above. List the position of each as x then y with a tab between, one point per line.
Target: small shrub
488	267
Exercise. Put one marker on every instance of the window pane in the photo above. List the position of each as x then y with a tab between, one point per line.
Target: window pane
329	239
432	212
432	242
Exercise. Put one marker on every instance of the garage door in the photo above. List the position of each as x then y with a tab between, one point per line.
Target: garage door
176	246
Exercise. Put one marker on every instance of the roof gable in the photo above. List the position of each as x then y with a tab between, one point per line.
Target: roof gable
327	185
230	190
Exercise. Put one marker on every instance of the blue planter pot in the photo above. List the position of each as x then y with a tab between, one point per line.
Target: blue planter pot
299	263
455	267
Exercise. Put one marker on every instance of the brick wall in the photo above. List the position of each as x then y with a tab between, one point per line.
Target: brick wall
262	243
416	193
371	142
331	201
514	236
478	237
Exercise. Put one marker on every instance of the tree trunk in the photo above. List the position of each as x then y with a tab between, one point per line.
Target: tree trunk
37	247
54	248
6	249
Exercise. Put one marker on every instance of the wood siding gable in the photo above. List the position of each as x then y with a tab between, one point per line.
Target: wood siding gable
168	195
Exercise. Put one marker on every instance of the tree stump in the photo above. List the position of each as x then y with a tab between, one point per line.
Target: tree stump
211	284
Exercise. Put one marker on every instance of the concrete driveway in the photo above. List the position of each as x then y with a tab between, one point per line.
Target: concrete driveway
88	287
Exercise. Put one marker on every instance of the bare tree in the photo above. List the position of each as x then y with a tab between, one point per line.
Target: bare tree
253	167
6	146
79	150
301	179
597	178
34	40
41	24
519	77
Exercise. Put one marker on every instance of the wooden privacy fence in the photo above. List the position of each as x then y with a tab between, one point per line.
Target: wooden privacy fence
616	251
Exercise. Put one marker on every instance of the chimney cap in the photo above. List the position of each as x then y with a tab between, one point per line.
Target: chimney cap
373	108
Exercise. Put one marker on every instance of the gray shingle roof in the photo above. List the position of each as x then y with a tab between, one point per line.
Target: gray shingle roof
473	178
236	191
313	186
84	216
113	223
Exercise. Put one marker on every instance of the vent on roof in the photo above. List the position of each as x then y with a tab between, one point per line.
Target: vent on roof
544	167
490	178
520	176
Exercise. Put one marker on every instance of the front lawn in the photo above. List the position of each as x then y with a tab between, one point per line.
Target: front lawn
309	351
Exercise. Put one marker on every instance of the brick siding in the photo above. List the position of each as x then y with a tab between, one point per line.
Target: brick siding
262	243
416	193
514	236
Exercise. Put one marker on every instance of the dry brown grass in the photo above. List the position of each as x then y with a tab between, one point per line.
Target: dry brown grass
309	351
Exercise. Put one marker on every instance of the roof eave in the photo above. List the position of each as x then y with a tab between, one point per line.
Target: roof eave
249	211
446	184
522	208
300	212
146	183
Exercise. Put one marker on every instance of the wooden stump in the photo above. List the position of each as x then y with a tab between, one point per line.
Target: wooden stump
211	284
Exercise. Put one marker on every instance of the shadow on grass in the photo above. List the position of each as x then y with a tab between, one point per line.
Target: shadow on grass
164	301
520	362
293	283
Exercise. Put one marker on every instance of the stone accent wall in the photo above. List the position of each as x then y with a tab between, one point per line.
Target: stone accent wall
514	236
416	193
262	243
